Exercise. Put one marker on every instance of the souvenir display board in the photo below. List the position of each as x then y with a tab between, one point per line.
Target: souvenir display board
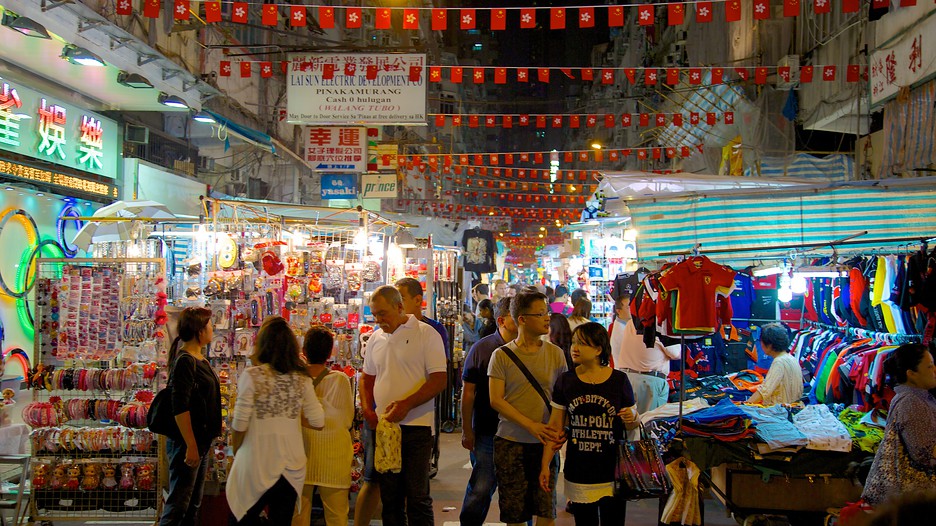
100	334
447	311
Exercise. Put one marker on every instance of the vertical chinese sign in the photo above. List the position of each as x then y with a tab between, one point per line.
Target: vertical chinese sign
903	61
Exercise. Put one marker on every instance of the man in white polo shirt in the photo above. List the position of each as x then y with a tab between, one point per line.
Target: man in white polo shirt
404	370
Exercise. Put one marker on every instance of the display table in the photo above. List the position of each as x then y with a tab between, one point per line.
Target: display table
13	439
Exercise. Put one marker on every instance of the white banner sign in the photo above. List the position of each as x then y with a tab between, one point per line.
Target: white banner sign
378	186
904	61
336	149
373	88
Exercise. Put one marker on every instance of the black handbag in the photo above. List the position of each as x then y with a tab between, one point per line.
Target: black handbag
160	418
639	472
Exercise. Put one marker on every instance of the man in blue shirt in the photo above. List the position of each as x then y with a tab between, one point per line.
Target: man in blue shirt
479	420
412	293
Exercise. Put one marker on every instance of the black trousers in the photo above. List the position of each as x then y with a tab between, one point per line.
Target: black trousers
280	501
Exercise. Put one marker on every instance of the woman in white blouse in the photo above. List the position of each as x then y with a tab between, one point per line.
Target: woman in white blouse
330	449
269	458
784	381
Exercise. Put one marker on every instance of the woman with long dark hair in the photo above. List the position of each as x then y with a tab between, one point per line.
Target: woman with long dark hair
560	334
269	457
597	403
196	403
905	461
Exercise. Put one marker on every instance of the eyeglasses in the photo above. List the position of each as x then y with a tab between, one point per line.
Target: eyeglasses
536	314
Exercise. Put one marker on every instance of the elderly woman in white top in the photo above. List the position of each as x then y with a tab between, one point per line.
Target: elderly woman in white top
784	381
269	458
330	450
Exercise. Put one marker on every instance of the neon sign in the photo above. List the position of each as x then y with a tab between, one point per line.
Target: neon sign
51	129
92	143
9	122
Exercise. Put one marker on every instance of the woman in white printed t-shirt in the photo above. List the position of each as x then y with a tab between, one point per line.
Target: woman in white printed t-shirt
784	381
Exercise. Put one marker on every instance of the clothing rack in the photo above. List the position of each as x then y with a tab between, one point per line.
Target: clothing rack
856	333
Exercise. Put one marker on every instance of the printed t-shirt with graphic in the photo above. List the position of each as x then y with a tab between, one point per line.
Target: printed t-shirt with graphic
698	280
546	365
594	429
479	251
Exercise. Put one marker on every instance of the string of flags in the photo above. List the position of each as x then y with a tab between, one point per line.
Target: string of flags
484	163
517	212
493	18
648	75
608	120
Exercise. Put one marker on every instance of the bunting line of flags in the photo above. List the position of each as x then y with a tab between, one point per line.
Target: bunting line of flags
607	120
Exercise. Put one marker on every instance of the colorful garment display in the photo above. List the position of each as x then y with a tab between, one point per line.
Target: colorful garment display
697	280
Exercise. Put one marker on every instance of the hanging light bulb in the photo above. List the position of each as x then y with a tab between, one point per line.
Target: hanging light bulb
785	294
799	285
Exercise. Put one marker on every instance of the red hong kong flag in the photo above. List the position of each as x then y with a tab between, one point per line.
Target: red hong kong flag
542	74
225	68
784	73
151	8
760	75
499	19
478	75
732	10
435	74
729	117
350	68
821	7
642	153
456	75
650	76
180	10
761	9
853	73
439	19
790	7
694	118
500	75
523	75
124	7
557	18
586	17
353	17
557	122
410	19
645	15
245	69
615	16
695	76
742	73
607	76
703	12
850	6
661	119
828	73
297	15
266	69
467	18
527	18
675	14
326	17
270	15
382	18
805	74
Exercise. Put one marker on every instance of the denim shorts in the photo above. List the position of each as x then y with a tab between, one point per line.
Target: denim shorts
368	438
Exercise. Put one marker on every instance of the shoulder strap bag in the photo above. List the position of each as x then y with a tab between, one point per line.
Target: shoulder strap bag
160	418
639	472
526	372
318	379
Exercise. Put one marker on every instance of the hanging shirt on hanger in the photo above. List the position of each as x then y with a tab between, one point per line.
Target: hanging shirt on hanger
479	251
698	280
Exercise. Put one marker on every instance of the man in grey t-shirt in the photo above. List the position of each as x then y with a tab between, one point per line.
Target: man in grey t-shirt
522	430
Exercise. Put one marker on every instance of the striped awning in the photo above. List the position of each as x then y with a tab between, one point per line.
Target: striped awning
780	218
836	167
910	131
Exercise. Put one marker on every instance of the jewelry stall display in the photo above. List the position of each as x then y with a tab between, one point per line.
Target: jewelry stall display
100	339
446	294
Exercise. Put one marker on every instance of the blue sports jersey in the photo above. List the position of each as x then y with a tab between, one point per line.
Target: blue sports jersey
741	300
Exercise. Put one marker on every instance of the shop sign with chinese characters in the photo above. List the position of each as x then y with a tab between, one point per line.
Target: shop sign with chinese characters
336	149
374	186
356	88
339	186
41	127
904	61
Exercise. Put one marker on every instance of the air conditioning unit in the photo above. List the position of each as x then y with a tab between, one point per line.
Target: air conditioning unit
792	62
136	134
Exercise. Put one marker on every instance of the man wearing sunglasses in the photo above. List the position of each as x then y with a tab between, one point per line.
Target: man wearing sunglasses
522	374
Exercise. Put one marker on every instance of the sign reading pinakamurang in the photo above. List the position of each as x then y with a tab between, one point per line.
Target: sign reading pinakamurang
356	88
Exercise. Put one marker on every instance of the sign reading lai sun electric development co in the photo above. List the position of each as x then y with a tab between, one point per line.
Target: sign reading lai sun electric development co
37	126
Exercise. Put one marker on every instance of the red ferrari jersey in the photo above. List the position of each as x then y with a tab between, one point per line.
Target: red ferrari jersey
698	280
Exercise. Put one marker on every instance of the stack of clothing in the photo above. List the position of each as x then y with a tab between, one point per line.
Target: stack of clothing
724	421
866	429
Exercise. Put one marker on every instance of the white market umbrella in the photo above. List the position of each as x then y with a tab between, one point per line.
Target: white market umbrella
142	209
97	232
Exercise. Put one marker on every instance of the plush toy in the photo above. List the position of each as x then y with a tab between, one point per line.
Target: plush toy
126	476
58	477
162	299
72	482
40	476
145	478
92	477
110	477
